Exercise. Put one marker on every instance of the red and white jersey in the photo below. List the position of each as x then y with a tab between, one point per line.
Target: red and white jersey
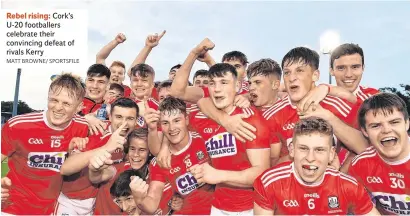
282	117
244	87
281	190
197	198
153	104
228	153
388	182
90	106
127	90
36	150
362	93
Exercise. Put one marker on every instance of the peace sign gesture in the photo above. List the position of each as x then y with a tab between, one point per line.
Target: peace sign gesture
153	40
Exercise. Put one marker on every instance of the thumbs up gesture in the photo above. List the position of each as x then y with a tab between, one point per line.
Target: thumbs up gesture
151	117
153	40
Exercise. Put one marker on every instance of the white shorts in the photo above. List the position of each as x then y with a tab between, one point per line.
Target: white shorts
215	211
67	206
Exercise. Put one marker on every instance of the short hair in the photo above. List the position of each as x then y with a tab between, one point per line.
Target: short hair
139	133
201	72
175	67
346	49
312	125
142	70
121	185
98	70
164	84
304	54
118	87
126	103
69	82
156	84
221	69
382	102
171	104
264	67
117	63
235	55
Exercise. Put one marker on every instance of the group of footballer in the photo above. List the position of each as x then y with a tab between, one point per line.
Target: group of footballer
257	139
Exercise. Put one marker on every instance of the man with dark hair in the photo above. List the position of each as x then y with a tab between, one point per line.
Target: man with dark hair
201	78
163	89
78	195
307	185
121	191
98	76
114	92
36	145
173	71
384	168
240	62
188	149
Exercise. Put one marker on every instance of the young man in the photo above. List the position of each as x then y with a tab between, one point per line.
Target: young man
188	149
78	195
201	78
163	89
240	62
300	72
308	186
36	145
384	168
96	83
173	71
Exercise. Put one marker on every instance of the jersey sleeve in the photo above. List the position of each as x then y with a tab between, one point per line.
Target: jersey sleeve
8	145
156	173
360	202
206	91
260	195
262	134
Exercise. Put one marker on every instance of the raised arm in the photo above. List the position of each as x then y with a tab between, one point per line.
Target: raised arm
180	88
103	54
148	201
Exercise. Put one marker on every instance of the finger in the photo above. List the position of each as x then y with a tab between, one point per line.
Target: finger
132	178
108	162
236	100
4	195
90	130
162	34
95	131
248	126
247	134
168	162
121	127
239	137
193	168
5	182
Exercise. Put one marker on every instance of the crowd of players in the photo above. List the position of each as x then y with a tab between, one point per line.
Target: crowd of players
235	142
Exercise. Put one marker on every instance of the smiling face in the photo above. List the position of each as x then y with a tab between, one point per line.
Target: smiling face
138	153
142	86
348	71
387	132
61	107
127	204
96	87
121	114
174	125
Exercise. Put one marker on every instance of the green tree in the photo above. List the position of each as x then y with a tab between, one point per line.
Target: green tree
404	93
22	107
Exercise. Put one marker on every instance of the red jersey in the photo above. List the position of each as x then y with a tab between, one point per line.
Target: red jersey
197	198
244	87
282	117
36	150
152	103
388	182
90	106
362	93
127	90
280	189
228	153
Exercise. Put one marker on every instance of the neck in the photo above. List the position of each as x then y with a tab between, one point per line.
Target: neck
175	148
99	100
229	108
272	100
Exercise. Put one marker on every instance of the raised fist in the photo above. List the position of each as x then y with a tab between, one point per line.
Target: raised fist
120	38
101	160
139	189
203	47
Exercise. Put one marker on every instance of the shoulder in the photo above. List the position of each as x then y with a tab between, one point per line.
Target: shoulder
281	172
25	120
153	103
338	105
278	107
365	156
345	179
80	120
366	92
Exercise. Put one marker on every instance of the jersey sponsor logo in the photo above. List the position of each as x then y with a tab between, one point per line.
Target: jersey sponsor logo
313	195
288	126
290	203
208	130
174	170
221	145
46	160
140	121
333	202
374	180
186	183
394	203
35	141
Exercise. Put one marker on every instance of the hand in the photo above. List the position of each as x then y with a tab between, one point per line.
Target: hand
5	186
151	117
95	125
176	203
335	163
139	189
120	38
164	156
153	40
100	161
116	141
240	129
313	98
282	95
205	173
78	143
242	101
319	112
203	47
204	57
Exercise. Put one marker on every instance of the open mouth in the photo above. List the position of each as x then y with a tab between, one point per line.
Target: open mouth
132	211
349	82
389	141
94	91
115	79
294	88
135	160
309	169
254	96
58	115
219	98
175	133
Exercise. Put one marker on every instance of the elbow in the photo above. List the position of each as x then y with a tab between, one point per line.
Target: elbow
177	93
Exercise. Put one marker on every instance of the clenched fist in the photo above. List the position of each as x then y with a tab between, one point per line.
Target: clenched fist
100	161
120	38
139	189
203	47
